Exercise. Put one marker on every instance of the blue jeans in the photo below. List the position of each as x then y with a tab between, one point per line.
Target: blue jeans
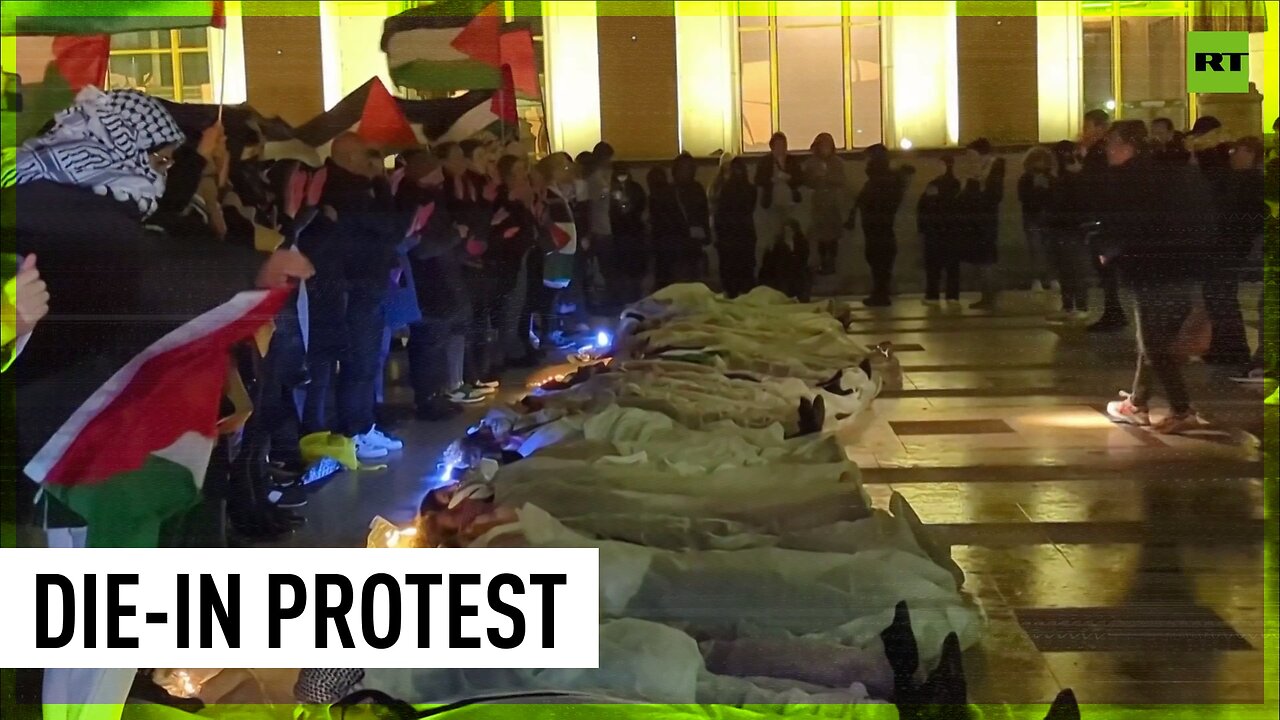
356	367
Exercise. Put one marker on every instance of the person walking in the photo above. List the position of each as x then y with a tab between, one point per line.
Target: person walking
735	228
1092	154
936	222
1148	232
824	174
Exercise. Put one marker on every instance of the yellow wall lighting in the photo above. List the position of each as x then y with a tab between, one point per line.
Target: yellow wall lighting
705	62
1058	43
350	32
572	74
919	55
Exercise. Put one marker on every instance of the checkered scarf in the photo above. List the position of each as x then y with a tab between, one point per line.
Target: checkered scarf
102	142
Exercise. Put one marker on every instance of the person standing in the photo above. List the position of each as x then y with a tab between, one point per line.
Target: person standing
735	228
878	204
628	257
691	200
1148	219
1091	150
665	227
599	208
1244	216
1033	196
1063	237
779	177
981	193
824	174
936	223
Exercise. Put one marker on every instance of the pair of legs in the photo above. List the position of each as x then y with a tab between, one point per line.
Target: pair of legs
1161	310
355	367
737	267
1037	252
1221	290
1066	254
1112	310
937	263
882	252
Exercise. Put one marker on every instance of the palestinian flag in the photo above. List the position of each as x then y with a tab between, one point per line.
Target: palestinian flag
516	49
370	111
136	451
54	69
445	46
89	17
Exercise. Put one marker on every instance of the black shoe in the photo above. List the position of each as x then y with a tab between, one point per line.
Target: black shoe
437	409
292	496
1108	324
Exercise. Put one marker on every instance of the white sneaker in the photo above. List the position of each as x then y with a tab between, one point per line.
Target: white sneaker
489	384
377	438
366	450
1037	286
1124	412
465	395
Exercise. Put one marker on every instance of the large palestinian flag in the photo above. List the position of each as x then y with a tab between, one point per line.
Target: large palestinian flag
136	452
90	17
447	45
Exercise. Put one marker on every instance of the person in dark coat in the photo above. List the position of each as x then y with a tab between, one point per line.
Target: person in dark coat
878	204
1033	196
785	267
673	247
1064	240
442	297
981	193
1167	144
1092	154
691	196
779	175
117	288
627	263
735	228
936	221
1150	232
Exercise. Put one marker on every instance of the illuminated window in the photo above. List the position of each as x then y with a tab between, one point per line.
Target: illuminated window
1134	60
171	64
813	68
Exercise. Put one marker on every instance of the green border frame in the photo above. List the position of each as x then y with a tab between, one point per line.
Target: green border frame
1268	709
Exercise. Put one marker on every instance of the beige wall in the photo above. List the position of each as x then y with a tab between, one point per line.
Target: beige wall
998	78
282	61
639	115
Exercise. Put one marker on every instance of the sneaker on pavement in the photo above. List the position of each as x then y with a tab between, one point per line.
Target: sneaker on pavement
323	468
494	384
380	439
465	396
288	497
366	449
1037	286
1124	412
1255	376
1179	424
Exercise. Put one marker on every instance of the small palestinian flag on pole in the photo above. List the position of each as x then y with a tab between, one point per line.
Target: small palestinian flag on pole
369	111
135	453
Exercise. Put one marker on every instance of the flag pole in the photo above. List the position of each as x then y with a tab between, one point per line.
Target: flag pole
222	72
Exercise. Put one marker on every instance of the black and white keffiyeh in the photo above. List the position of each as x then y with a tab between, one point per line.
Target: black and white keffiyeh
102	142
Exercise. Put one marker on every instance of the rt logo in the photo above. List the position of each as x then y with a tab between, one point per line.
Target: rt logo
1218	62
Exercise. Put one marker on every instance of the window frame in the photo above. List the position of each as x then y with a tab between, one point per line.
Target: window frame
847	23
1117	14
175	52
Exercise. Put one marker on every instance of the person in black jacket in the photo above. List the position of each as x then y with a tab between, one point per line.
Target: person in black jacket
673	245
691	198
627	263
1064	240
1150	232
936	222
358	243
878	204
981	193
1092	154
735	227
1242	214
117	288
1033	196
779	176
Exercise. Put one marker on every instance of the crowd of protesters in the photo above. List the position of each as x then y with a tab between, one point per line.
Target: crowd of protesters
480	259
